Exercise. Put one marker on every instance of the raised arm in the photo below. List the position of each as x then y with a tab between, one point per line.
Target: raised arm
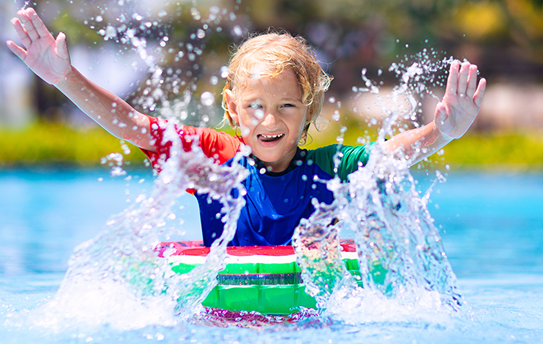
49	59
453	115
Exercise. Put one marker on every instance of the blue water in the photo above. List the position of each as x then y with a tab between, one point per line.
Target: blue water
491	225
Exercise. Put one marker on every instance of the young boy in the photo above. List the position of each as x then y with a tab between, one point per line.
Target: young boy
274	91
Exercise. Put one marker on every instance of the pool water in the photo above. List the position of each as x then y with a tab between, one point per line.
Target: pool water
491	225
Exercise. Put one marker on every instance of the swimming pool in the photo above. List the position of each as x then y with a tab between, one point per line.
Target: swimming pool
491	225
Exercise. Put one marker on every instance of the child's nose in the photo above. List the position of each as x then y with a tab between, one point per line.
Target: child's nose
270	120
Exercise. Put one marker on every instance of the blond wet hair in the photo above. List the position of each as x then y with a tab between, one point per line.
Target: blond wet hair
274	52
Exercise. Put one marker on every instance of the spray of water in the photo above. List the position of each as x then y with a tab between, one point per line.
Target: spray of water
118	272
402	263
404	269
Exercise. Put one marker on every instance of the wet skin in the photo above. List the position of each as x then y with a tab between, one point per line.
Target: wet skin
271	116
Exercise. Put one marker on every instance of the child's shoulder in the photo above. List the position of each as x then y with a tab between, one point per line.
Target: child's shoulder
349	158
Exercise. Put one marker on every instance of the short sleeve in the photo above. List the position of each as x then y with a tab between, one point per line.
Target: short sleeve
217	145
352	157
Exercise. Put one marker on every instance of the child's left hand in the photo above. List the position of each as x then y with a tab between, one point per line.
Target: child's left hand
462	100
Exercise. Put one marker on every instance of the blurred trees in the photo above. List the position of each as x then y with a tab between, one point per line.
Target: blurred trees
504	37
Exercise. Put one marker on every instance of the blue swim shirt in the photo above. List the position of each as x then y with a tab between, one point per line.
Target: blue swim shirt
276	202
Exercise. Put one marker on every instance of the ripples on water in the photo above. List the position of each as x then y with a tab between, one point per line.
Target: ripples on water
499	266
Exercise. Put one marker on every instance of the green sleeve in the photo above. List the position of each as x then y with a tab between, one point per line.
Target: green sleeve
350	159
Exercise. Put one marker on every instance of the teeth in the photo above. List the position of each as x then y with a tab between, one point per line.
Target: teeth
271	136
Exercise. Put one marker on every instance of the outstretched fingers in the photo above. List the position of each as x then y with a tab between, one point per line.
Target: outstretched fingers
38	24
452	80
472	81
480	92
462	82
17	50
441	113
21	32
463	79
24	17
62	49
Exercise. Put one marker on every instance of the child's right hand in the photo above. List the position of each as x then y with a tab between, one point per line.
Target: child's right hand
49	59
44	55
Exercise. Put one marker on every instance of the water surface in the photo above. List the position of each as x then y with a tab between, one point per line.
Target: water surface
491	225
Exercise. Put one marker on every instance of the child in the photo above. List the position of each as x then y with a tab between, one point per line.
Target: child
274	91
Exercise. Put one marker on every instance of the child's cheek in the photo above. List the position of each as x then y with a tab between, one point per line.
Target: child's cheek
245	131
254	122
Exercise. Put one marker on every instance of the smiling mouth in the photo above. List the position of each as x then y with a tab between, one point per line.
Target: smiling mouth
270	138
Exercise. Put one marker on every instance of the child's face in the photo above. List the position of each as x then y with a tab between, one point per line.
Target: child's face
272	116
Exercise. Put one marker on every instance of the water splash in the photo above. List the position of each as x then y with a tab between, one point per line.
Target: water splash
118	273
404	269
402	262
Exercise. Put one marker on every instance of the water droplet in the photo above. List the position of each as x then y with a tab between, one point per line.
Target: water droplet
259	114
224	72
110	32
195	14
214	80
440	177
99	18
237	31
207	98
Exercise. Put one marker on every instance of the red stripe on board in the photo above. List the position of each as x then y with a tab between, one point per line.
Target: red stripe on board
196	248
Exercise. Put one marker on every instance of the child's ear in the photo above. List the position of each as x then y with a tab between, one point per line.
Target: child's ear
231	105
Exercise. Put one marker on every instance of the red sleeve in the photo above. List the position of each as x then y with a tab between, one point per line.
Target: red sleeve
217	145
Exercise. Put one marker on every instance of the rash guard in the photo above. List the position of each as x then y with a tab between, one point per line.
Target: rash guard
275	202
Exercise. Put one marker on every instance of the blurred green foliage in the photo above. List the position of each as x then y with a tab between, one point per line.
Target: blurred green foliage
54	144
504	37
511	151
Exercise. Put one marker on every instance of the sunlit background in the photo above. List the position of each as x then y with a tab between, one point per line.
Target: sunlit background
504	38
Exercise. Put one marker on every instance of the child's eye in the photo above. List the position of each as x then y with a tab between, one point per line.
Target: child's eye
288	105
255	106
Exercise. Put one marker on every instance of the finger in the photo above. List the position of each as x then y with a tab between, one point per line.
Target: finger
17	50
28	25
452	81
463	79
41	29
21	32
479	94
472	81
62	49
441	113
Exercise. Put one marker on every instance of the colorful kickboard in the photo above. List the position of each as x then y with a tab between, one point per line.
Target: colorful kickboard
263	279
